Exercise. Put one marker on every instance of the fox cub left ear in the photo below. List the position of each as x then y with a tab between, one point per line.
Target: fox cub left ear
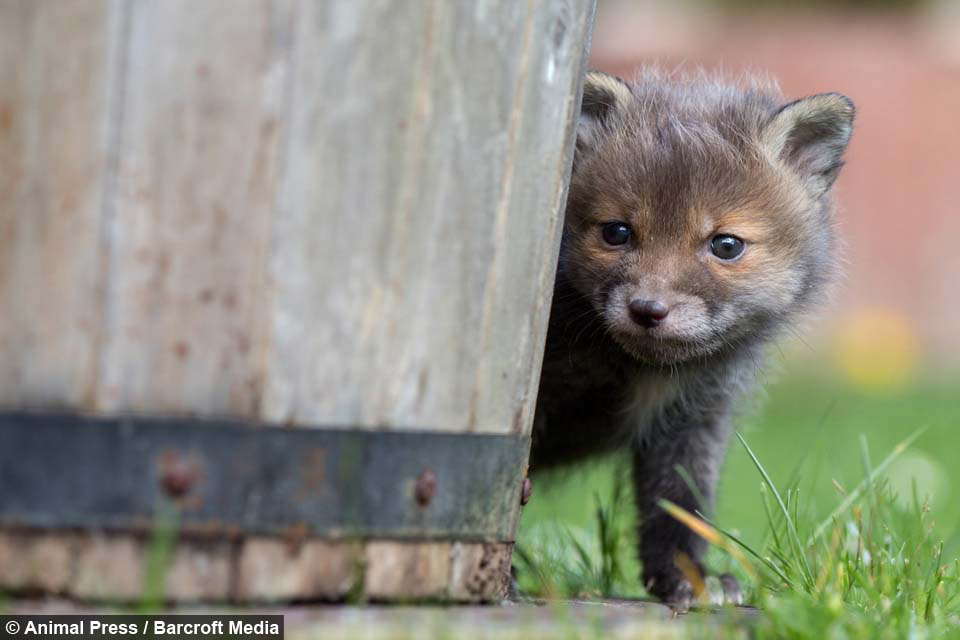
603	96
811	135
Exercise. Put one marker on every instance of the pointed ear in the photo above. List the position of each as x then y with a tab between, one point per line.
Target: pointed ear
811	135
603	94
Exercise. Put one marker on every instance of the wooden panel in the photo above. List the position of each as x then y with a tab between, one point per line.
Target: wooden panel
55	123
277	570
203	124
401	275
420	211
305	212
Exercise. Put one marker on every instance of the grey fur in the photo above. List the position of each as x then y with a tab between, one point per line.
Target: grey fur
678	159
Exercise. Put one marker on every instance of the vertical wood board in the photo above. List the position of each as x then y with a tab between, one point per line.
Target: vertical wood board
203	122
420	211
56	74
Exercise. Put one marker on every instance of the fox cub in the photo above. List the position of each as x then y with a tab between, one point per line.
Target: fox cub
698	225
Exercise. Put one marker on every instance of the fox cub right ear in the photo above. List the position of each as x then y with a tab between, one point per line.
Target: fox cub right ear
603	94
811	135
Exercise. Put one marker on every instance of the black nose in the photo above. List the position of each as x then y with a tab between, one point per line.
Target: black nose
648	313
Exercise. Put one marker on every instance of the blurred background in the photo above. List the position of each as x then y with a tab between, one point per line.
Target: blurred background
884	359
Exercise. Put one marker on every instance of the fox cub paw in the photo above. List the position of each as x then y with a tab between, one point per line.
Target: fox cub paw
677	592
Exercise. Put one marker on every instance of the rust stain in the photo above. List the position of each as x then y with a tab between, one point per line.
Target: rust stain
294	536
219	223
181	349
313	482
254	388
6	118
230	300
243	343
157	279
212	529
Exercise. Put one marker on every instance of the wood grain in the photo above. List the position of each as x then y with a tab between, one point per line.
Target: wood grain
301	212
420	212
203	112
56	74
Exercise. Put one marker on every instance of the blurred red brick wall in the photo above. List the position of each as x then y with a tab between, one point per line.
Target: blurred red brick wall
900	191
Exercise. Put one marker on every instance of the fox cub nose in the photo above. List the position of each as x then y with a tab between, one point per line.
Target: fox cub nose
648	313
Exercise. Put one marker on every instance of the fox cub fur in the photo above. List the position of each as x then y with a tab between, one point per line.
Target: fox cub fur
699	224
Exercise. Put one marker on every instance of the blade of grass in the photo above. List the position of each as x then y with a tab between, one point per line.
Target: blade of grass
854	495
528	563
932	594
764	561
583	556
868	470
707	532
607	537
793	535
163	538
774	526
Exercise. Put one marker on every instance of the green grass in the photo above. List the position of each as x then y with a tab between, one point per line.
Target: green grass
833	554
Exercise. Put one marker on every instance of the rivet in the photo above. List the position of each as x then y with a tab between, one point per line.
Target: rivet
525	491
177	475
425	488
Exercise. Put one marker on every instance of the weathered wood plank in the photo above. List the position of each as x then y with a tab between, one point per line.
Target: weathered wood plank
418	222
529	218
37	562
203	108
112	568
103	567
479	572
187	326
276	570
55	121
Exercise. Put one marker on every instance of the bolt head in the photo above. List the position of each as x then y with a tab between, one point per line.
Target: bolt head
178	474
425	487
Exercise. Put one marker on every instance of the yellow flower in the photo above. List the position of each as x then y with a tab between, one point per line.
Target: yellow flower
876	348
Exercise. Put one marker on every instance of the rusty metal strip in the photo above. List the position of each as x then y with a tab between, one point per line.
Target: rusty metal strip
231	478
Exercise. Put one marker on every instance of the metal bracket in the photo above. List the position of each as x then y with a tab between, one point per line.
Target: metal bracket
231	478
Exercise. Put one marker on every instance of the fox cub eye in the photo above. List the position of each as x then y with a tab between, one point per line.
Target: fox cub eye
726	247
616	233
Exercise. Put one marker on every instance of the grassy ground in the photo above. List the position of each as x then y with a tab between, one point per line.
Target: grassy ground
885	565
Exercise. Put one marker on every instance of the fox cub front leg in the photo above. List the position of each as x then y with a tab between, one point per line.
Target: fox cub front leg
669	551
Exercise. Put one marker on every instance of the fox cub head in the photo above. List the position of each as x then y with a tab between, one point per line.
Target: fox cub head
699	214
